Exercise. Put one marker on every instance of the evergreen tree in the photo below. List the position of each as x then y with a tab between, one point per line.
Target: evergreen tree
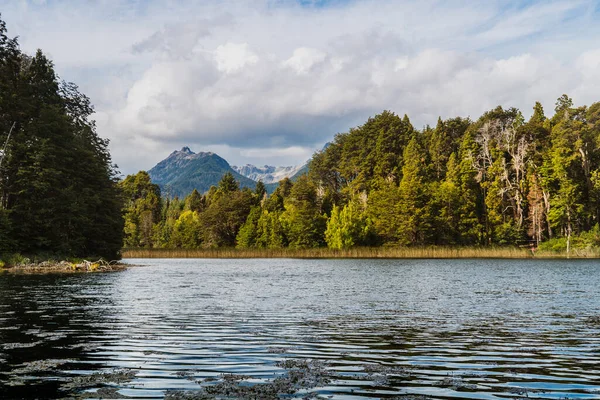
142	209
349	227
221	221
228	184
448	202
414	226
260	190
195	202
57	183
247	236
302	220
443	141
164	229
561	171
382	209
392	137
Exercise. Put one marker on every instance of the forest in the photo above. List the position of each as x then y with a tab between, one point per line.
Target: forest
500	180
58	187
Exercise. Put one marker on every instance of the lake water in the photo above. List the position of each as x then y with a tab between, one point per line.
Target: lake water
341	329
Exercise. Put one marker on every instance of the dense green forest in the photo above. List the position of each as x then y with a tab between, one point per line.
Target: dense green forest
499	180
58	188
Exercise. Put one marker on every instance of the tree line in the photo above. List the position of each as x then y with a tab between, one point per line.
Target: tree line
499	180
58	186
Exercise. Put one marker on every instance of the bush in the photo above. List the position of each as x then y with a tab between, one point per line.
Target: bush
555	244
13	259
584	241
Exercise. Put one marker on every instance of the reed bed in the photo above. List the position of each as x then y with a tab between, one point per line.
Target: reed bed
360	252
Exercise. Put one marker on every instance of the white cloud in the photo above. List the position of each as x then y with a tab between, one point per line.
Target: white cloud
232	57
589	62
263	79
401	63
304	59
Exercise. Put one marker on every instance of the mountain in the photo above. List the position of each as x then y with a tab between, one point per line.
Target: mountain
183	171
268	174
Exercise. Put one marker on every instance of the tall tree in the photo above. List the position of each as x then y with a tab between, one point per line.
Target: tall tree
415	223
142	209
349	226
57	183
303	223
228	184
562	170
248	233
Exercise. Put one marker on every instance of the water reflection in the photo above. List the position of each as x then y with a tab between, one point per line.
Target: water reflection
49	326
370	328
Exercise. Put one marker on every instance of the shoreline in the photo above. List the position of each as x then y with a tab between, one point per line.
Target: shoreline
365	253
398	253
65	267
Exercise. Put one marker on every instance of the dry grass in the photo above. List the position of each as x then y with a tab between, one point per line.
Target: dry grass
358	252
63	267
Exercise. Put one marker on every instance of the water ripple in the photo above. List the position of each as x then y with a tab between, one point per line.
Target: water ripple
342	329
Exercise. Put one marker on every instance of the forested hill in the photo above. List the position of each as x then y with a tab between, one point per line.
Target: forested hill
58	187
499	180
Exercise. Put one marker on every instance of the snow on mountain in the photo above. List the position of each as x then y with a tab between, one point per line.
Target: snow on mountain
267	173
183	171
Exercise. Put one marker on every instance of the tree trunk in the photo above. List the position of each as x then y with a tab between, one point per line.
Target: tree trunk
546	196
568	234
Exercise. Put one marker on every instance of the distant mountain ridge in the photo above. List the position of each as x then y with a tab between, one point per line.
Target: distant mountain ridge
268	174
183	171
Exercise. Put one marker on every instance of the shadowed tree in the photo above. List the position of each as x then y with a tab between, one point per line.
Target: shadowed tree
58	185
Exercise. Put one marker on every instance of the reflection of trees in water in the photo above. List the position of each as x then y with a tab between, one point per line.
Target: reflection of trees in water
49	325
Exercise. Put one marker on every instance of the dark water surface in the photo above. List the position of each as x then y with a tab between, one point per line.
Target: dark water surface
341	329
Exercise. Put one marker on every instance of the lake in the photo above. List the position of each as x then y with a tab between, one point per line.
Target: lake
341	329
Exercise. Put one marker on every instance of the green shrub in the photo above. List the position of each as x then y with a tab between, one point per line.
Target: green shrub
584	241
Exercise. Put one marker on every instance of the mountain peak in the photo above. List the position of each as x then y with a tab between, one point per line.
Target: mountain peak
187	150
183	171
268	173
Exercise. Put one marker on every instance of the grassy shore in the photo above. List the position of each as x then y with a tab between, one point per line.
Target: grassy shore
360	252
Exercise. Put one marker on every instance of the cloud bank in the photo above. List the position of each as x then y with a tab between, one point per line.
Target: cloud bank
271	81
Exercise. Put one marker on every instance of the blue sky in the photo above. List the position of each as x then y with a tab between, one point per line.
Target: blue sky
270	81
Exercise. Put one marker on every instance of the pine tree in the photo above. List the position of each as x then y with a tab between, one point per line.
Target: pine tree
222	220
247	236
303	223
228	184
414	227
195	202
562	174
260	190
470	209
382	209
